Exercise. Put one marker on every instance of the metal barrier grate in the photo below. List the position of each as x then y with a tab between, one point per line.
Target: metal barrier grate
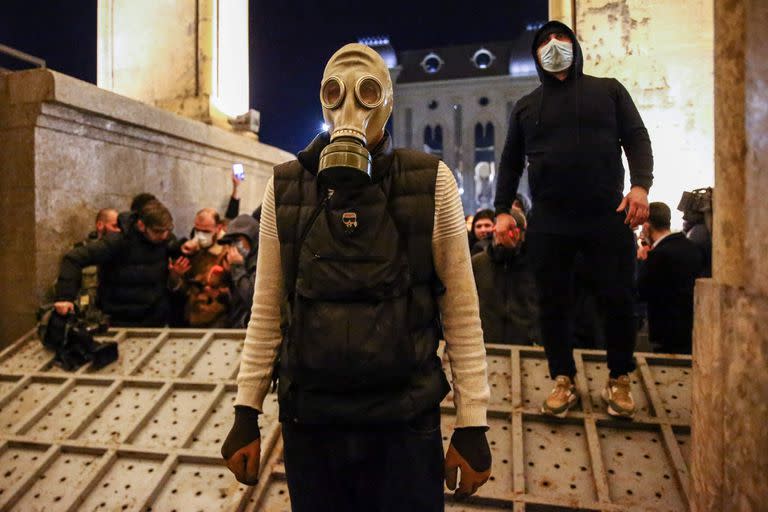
144	433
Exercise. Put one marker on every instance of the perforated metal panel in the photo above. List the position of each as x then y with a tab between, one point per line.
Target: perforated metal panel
144	433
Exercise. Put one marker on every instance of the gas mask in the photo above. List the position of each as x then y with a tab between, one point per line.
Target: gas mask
556	56
356	95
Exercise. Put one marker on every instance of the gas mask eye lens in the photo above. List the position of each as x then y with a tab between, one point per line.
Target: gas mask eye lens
369	92
332	92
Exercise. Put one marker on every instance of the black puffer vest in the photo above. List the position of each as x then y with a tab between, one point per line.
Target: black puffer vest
361	322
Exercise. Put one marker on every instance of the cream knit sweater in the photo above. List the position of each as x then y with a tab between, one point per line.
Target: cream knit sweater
458	307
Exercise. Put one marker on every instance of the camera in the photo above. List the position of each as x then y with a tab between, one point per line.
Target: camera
696	201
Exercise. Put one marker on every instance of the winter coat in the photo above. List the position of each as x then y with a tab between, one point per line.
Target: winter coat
665	281
507	293
133	276
242	277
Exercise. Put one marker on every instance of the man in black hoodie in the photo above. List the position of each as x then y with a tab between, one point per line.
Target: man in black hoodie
571	129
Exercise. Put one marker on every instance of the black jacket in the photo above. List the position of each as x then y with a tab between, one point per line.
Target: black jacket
242	277
665	281
507	293
133	276
572	133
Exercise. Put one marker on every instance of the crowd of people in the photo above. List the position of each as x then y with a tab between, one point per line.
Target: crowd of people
667	266
133	268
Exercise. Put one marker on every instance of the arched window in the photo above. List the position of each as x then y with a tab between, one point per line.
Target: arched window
431	63
485	165
484	137
482	59
433	140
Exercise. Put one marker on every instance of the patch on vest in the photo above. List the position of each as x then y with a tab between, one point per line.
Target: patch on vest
350	221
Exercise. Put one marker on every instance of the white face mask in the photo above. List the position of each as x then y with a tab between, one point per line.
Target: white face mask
204	239
556	56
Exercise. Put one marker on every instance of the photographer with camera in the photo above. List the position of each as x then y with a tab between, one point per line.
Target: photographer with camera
133	270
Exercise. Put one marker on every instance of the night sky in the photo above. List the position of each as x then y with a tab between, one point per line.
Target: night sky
289	46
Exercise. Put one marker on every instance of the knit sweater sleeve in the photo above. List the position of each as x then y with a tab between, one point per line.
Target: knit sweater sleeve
459	305
262	337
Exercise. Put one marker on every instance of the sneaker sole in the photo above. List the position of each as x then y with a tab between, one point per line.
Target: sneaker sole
612	411
564	412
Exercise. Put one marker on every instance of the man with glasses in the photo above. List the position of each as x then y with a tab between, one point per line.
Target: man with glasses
134	269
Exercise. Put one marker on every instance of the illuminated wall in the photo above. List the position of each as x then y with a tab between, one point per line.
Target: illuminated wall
662	51
189	57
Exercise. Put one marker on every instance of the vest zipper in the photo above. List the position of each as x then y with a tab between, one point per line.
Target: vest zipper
312	220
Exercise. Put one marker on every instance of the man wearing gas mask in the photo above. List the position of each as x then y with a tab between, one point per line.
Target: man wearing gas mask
571	131
362	266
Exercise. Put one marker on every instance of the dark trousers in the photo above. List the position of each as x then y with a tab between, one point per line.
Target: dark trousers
383	468
609	254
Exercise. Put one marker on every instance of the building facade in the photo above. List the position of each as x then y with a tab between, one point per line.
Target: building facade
455	102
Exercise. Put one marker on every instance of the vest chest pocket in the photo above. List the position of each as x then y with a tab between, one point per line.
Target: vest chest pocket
350	328
344	346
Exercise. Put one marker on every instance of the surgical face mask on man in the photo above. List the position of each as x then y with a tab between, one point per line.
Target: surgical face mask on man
204	239
556	55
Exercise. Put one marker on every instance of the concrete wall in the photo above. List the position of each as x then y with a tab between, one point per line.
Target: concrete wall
662	51
68	148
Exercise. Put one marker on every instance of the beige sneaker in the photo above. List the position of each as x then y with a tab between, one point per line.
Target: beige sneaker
561	399
617	395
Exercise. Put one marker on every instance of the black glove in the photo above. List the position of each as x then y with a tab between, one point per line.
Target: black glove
468	451
244	431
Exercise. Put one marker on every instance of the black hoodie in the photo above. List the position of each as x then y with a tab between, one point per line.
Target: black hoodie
572	133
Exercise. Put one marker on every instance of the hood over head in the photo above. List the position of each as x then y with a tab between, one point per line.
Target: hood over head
576	69
244	225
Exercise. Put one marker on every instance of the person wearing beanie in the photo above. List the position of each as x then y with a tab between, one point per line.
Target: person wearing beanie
571	131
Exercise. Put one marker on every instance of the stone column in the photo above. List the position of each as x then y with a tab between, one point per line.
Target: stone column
730	380
561	10
189	57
